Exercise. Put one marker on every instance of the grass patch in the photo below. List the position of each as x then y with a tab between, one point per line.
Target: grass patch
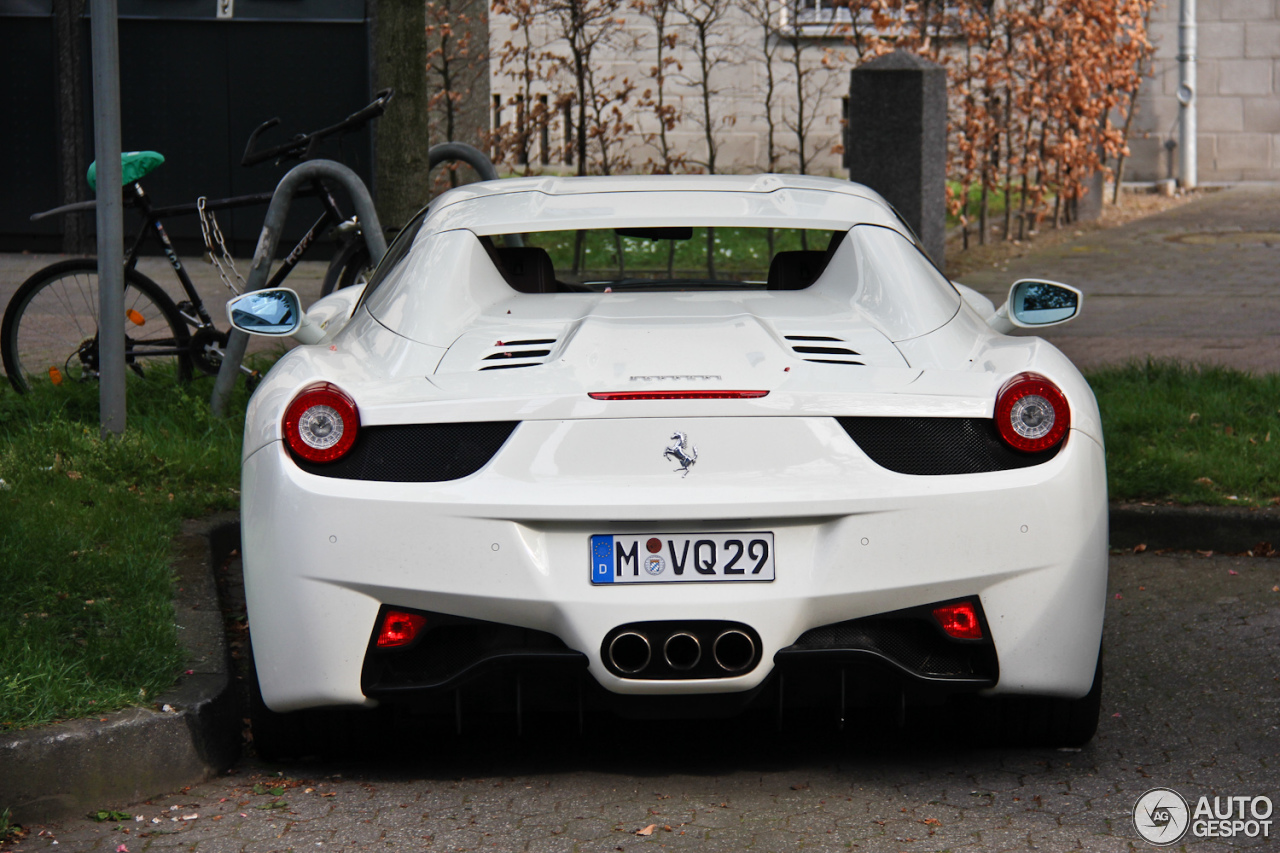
1206	435
85	530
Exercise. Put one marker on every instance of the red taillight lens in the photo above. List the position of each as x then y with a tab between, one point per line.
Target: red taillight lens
1031	413
321	423
959	620
676	395
399	628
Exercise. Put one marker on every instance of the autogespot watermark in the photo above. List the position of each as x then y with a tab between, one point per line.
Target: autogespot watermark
1162	817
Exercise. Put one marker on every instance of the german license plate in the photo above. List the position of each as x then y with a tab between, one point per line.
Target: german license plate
681	557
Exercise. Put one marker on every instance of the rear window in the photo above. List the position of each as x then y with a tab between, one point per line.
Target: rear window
670	259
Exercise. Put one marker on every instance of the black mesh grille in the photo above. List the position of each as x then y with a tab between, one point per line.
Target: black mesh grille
938	445
912	643
453	646
417	453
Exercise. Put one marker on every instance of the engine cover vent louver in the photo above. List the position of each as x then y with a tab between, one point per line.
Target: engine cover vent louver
823	349
416	453
524	353
938	445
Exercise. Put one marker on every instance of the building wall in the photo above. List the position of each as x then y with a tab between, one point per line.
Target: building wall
738	85
1238	93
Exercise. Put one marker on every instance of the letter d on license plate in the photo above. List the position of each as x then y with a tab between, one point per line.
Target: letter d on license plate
682	557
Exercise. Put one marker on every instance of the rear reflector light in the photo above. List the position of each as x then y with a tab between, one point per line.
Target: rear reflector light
1032	413
399	628
321	423
676	395
959	620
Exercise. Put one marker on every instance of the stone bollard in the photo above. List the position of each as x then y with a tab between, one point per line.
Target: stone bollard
896	142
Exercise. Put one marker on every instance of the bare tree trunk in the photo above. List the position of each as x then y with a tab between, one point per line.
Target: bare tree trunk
74	156
704	83
400	151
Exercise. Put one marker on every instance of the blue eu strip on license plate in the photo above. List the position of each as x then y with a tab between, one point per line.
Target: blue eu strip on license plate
682	557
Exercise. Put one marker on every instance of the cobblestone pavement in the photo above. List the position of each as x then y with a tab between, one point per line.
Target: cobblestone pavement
1199	283
1191	701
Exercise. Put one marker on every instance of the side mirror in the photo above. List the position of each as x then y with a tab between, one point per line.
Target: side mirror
1034	303
275	312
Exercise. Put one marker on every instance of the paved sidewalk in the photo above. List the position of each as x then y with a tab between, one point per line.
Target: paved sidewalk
1199	283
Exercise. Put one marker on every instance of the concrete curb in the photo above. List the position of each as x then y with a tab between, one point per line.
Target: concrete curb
1204	528
69	769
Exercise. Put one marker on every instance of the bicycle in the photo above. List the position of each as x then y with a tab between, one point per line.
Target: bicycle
50	327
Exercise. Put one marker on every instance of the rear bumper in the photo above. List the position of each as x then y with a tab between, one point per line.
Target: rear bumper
510	544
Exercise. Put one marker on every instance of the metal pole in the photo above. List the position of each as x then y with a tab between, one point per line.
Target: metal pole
1187	94
106	143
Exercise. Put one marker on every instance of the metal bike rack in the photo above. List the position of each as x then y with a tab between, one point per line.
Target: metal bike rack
301	175
304	173
461	152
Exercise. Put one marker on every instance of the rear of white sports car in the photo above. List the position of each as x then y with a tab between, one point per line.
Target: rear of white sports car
833	485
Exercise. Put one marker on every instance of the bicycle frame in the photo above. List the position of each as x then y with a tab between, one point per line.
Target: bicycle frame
152	225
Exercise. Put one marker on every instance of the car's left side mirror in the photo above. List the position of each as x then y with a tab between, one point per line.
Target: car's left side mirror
274	312
1034	303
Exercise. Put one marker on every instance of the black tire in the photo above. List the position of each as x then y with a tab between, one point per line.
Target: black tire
341	733
1047	722
349	267
50	329
275	736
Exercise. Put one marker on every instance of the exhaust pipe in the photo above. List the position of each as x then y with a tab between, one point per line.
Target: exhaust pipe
630	652
682	651
733	650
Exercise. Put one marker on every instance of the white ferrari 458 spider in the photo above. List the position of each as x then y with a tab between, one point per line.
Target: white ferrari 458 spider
671	446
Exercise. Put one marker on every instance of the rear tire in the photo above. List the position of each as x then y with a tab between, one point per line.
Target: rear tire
1050	722
351	266
275	736
50	330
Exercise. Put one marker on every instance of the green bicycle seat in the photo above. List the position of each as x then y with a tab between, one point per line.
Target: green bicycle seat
134	166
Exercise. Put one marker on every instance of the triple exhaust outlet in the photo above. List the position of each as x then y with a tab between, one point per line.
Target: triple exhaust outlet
677	650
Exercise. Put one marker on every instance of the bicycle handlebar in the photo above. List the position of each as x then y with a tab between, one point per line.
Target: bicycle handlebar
300	147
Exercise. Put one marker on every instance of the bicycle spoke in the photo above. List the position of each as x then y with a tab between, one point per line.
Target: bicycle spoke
53	336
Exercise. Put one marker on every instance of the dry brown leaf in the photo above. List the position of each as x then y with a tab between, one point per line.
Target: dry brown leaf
1139	548
648	830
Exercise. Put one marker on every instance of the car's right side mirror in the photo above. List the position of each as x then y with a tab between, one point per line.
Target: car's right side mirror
1034	303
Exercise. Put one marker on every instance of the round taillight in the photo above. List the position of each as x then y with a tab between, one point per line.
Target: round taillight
321	423
1032	413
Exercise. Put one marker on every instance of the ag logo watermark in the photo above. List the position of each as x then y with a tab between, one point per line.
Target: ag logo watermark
1163	817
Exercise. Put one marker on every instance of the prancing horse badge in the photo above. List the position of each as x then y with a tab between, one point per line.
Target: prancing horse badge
680	451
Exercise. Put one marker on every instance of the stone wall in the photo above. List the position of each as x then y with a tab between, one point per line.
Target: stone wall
1238	85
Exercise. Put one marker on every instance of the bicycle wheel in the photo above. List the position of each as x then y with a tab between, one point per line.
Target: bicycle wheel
50	329
350	266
